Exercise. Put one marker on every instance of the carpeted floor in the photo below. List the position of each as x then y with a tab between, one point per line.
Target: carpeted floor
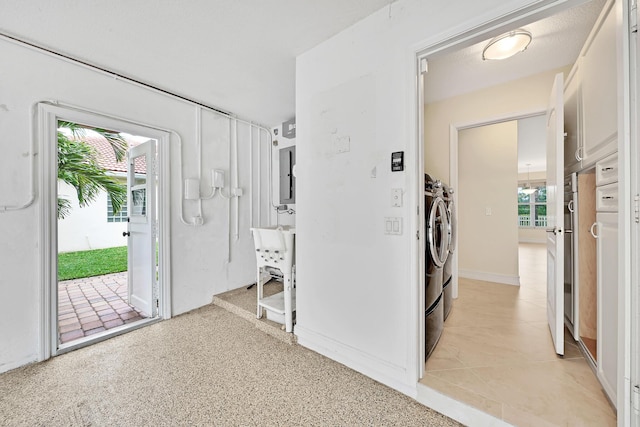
207	367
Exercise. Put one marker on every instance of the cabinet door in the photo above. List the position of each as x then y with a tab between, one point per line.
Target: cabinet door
607	231
599	88
572	122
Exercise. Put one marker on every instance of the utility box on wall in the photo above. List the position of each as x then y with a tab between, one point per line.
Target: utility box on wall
289	128
287	180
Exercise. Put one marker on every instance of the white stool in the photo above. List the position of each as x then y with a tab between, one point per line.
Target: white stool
275	247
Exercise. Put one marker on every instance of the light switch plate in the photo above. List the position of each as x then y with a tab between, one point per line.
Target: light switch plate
393	225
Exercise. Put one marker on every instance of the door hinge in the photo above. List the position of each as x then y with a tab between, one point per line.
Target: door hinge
633	17
418	235
636	208
636	399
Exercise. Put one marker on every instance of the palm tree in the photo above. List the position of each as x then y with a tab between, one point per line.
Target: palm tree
78	166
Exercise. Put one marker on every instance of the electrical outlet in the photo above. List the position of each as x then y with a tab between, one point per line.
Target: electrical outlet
396	197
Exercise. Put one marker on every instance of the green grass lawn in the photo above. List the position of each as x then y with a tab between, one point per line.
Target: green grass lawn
76	265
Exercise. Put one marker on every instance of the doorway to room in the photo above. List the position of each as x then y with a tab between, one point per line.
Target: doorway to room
106	240
452	129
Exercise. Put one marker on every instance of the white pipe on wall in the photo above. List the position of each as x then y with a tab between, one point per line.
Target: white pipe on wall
236	199
111	116
251	177
111	74
259	178
32	155
199	219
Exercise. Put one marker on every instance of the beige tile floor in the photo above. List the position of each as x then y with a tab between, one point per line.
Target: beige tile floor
496	354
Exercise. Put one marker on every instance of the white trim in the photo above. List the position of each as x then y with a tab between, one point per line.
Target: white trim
373	367
48	115
630	295
505	279
529	240
459	411
627	258
416	327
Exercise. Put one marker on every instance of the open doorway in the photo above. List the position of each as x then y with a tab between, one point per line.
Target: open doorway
94	292
107	245
452	379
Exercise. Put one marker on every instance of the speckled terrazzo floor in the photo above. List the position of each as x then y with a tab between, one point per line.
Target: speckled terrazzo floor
207	367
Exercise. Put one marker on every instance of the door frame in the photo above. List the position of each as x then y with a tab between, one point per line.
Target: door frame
48	115
475	32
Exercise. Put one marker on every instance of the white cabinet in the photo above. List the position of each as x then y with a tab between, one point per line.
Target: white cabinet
606	230
607	248
598	90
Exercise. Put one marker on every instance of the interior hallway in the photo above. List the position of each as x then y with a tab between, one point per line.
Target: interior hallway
496	354
206	367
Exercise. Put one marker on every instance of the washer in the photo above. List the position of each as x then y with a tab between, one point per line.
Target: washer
447	287
436	251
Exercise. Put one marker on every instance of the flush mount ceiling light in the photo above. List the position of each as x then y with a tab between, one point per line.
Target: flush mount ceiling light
506	45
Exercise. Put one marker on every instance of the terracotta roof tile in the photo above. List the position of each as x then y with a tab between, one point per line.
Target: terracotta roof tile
107	158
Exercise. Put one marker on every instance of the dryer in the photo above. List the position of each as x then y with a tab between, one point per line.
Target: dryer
436	251
447	287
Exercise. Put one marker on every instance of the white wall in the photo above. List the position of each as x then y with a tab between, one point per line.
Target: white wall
487	208
516	97
202	264
87	228
356	296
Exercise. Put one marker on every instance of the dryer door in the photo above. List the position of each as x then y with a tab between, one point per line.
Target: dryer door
438	232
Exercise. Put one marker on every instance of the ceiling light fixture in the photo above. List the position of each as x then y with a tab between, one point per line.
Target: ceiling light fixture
527	186
506	45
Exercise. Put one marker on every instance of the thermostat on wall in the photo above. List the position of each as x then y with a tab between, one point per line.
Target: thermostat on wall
397	161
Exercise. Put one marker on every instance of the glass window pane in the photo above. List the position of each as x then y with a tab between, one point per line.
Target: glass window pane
523	197
541	194
524	215
541	216
139	198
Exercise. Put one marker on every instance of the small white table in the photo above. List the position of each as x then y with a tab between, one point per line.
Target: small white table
275	247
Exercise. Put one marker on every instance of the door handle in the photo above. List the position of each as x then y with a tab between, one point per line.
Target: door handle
553	230
126	233
592	230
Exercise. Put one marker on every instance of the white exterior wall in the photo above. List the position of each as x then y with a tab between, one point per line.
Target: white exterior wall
87	228
357	296
205	260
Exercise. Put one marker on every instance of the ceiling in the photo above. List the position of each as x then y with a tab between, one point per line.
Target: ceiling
235	55
557	41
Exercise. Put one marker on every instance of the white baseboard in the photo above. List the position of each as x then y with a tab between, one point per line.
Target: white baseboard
461	412
382	371
10	366
490	277
530	240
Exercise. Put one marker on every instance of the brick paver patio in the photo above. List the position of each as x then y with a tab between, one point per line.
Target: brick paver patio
93	304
